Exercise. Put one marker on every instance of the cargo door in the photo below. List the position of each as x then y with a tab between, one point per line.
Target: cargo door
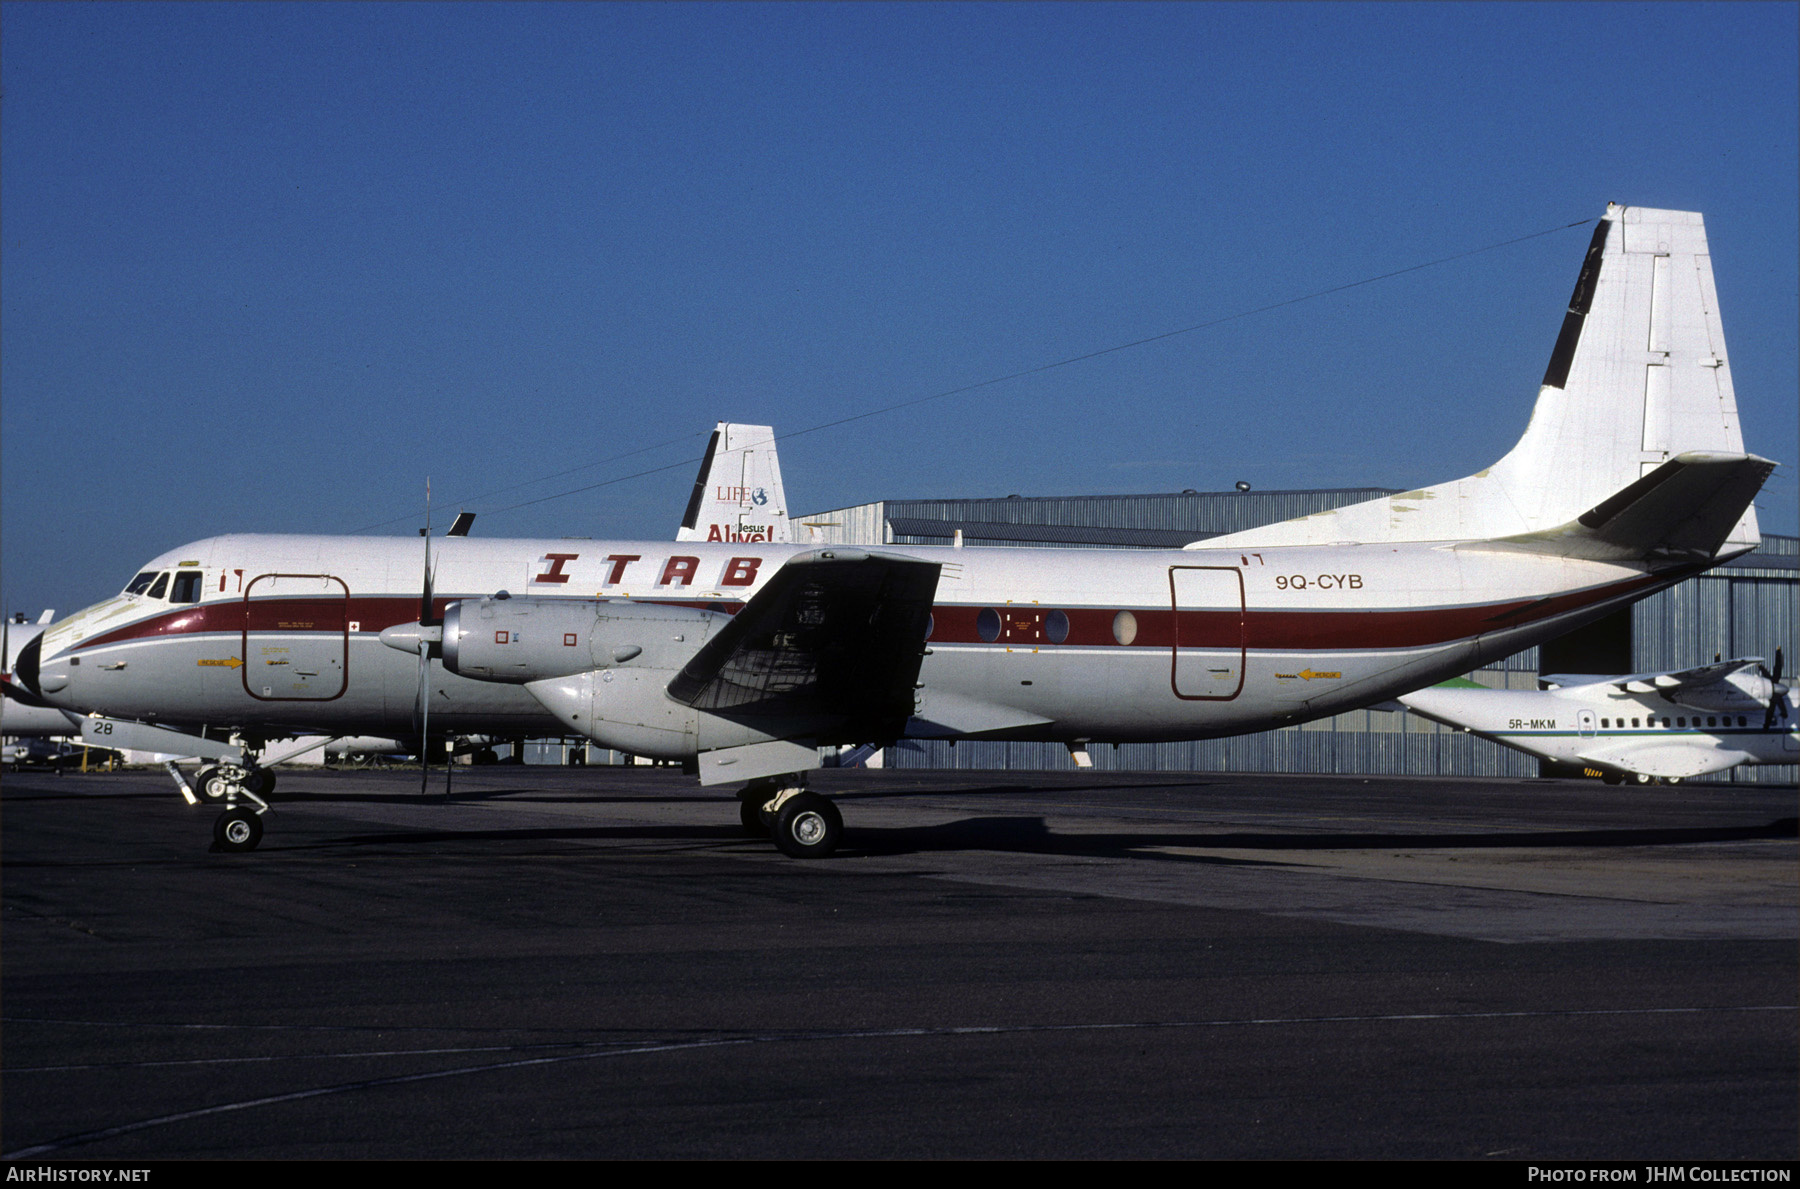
296	637
1208	662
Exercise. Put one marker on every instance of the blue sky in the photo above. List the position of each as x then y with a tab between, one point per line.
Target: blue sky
268	267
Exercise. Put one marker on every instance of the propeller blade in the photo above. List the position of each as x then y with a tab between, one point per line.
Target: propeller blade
1777	693
422	703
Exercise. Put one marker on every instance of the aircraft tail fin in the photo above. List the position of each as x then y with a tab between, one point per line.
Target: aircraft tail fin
1638	377
738	494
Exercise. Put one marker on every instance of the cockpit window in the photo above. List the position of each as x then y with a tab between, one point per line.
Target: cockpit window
141	583
161	585
186	588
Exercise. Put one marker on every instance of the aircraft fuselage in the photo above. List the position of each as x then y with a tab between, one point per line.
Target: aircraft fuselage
1103	645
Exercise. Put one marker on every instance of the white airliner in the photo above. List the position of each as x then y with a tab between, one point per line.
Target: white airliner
23	716
743	659
1643	727
738	495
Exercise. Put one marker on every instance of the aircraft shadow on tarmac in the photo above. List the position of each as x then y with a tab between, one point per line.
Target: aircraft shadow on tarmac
1028	834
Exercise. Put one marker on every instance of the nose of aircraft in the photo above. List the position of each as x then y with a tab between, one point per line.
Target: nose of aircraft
1440	703
25	669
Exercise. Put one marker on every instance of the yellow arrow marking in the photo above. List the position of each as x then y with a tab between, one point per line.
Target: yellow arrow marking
230	662
1308	674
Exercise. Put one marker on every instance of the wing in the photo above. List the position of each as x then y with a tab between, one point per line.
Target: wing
1672	683
835	640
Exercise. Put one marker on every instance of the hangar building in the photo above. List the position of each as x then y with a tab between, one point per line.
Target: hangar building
1745	607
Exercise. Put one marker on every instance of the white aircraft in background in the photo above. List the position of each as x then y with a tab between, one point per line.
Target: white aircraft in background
743	659
22	714
738	494
1646	726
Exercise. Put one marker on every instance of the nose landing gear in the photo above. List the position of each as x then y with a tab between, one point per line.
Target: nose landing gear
239	828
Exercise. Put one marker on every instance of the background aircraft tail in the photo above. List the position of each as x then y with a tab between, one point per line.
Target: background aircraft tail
738	494
1638	376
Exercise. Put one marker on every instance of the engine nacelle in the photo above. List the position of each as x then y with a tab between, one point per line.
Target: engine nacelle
523	640
602	668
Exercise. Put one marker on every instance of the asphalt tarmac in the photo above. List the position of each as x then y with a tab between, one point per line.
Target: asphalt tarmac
568	963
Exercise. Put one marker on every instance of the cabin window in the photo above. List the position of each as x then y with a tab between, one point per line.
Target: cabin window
1056	626
141	583
1740	720
1682	721
160	587
1711	721
1605	723
186	588
1634	723
987	625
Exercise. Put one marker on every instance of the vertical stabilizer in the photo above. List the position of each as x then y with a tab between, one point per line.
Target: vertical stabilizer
1638	375
738	494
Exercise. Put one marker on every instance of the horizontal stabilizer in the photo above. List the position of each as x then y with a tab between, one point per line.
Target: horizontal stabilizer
834	640
1683	511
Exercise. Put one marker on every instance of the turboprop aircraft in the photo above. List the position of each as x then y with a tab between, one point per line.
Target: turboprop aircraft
1643	727
743	659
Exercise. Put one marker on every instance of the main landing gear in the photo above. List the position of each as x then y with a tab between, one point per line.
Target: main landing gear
802	824
1611	777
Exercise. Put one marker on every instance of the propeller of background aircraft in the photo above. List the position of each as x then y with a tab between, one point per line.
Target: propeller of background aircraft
1777	692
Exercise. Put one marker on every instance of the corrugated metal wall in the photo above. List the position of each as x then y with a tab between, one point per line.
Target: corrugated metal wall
1744	608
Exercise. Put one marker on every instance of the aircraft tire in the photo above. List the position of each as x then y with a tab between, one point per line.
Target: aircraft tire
237	830
1613	778
808	827
260	781
1671	780
1643	778
755	821
211	783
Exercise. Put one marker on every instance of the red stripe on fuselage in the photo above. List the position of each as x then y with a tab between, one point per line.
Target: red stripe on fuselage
1263	629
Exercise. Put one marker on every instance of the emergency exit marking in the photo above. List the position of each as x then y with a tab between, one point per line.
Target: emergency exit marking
568	639
499	637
